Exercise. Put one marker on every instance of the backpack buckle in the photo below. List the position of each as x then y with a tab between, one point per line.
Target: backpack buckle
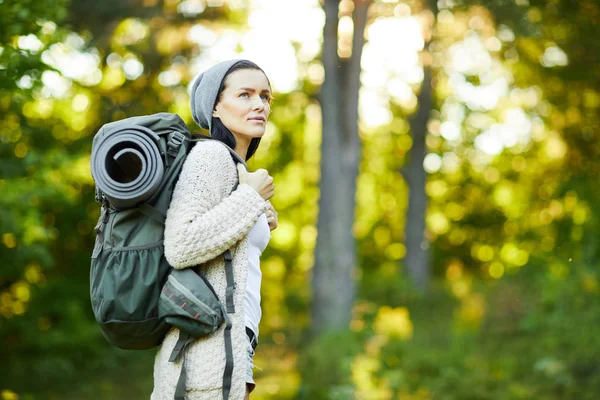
99	196
175	141
104	216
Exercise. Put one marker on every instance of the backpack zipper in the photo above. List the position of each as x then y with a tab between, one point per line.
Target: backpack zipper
190	296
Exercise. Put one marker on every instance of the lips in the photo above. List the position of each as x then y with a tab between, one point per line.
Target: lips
262	119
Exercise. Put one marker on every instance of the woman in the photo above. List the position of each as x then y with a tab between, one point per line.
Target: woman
232	100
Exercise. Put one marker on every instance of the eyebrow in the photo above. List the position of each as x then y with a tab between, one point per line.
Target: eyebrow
252	90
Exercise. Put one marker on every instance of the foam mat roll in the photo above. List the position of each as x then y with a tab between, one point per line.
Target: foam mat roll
127	165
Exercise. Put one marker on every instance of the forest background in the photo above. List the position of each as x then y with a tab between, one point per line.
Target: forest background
436	166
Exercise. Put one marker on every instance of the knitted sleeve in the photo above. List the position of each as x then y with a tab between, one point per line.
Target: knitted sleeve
203	220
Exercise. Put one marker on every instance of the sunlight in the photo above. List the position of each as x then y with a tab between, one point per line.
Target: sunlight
55	84
258	43
169	78
471	58
133	68
74	64
516	129
191	8
202	35
30	43
305	29
479	97
130	31
373	108
480	82
432	163
554	56
449	130
450	162
390	66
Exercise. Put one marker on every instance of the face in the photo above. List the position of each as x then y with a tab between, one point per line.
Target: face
244	104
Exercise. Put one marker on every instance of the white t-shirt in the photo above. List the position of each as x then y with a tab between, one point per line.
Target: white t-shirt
258	239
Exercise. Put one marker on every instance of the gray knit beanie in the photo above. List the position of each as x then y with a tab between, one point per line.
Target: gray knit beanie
205	90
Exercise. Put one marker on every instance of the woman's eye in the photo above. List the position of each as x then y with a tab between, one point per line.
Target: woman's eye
265	97
244	95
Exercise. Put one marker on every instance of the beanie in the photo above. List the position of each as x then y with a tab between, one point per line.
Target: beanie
205	90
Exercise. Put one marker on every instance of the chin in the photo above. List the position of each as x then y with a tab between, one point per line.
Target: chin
255	133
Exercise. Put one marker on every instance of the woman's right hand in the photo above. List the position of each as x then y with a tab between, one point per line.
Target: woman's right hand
260	180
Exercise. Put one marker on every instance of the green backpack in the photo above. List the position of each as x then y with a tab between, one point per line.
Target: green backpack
136	295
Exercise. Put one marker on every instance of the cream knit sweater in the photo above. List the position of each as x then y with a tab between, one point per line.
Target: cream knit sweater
203	221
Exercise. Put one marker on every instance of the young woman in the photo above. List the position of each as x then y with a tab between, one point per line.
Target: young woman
205	218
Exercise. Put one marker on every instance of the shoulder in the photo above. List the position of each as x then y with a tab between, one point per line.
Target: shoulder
211	154
210	159
211	149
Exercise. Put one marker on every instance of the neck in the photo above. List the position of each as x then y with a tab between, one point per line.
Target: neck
241	145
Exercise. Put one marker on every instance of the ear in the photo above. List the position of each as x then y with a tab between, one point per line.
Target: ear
215	113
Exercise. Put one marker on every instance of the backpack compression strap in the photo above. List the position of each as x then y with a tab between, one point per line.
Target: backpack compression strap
227	374
180	346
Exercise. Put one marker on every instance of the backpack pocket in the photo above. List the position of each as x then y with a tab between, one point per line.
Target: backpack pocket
125	289
188	302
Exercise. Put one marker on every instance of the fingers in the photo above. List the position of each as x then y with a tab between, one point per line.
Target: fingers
266	192
260	180
272	216
242	173
269	187
271	210
273	222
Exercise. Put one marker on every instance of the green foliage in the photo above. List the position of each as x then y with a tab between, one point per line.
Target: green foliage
30	21
536	340
327	366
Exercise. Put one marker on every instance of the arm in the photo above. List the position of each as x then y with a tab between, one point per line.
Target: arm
203	220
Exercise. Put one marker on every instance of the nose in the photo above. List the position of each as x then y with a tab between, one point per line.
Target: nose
257	103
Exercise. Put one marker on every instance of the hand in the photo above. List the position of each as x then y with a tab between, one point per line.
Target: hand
260	180
272	216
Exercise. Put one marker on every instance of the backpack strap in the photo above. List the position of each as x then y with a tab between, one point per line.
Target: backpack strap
178	350
236	158
174	142
230	282
152	212
171	148
227	374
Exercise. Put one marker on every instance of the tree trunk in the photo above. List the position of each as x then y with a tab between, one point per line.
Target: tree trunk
417	254
417	259
335	253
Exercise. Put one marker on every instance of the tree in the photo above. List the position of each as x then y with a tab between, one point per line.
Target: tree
335	252
416	261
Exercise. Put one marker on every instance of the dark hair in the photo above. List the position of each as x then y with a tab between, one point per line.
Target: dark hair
218	130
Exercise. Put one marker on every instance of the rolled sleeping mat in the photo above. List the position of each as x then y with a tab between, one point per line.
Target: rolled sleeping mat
127	165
